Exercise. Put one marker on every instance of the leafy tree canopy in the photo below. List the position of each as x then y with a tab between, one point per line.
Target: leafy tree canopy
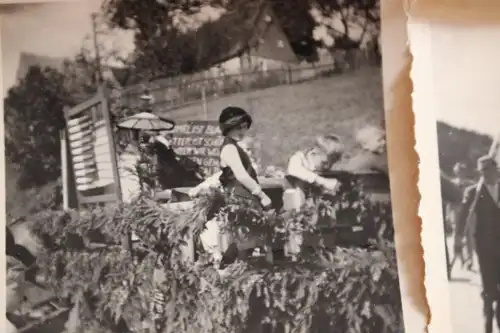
33	118
181	36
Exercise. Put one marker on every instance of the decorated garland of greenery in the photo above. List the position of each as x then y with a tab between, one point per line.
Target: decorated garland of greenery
331	290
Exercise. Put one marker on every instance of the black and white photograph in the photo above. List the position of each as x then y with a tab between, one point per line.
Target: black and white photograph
206	166
466	105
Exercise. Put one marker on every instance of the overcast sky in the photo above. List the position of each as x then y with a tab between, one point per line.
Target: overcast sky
467	57
466	76
53	29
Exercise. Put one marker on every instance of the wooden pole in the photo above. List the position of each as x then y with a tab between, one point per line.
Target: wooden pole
96	48
112	144
204	101
64	170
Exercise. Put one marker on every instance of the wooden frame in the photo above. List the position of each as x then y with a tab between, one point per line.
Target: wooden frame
71	195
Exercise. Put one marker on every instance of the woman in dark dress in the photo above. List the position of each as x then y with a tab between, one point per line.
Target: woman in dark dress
238	178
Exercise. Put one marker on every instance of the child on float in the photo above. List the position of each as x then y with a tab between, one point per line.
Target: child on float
305	167
238	177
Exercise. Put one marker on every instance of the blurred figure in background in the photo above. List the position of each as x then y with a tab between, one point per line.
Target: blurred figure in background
460	180
372	152
450	193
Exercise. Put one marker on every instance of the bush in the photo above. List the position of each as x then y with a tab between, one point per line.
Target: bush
341	289
23	203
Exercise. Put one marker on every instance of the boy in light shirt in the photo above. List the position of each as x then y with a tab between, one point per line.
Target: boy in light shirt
305	166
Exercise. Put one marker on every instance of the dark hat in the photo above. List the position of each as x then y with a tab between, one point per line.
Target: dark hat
232	117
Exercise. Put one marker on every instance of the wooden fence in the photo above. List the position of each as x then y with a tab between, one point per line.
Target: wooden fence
174	93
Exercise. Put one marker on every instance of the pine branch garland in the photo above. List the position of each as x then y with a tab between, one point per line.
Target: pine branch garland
349	289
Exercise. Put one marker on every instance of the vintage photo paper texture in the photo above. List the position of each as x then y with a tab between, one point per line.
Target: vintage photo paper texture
454	11
403	163
206	168
455	88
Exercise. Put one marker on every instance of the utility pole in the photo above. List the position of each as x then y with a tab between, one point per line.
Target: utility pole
96	48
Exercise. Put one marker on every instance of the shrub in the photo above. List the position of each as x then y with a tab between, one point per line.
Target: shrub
341	289
23	203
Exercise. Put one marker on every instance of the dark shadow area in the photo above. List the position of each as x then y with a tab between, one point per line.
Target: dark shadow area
173	170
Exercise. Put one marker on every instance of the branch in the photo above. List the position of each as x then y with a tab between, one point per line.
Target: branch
343	19
365	28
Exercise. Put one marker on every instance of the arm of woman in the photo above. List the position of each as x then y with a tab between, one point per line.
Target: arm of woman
231	158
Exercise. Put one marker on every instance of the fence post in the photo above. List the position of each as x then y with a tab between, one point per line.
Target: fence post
64	169
289	75
204	101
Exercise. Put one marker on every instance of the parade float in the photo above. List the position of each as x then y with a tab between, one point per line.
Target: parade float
124	254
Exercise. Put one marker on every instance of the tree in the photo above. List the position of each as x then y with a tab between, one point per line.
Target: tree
349	22
83	71
176	36
347	25
173	37
33	118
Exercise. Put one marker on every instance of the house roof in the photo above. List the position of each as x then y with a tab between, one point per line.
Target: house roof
121	74
27	60
269	40
247	26
250	26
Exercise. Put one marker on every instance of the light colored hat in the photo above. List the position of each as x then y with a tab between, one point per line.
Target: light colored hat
486	161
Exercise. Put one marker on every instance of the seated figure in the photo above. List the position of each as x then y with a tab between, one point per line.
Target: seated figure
305	166
173	170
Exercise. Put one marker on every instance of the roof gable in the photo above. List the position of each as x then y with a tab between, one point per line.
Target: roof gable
270	41
254	29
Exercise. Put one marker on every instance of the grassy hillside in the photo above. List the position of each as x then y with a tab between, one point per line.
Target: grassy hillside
287	118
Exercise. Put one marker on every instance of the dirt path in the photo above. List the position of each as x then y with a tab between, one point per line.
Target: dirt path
466	304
